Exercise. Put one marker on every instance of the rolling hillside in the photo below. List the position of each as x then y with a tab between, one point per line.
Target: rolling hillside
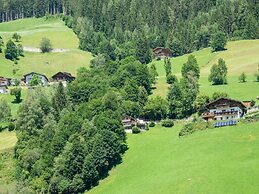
222	160
32	31
240	56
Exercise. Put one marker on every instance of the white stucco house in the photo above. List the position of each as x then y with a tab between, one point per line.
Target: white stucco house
3	89
27	78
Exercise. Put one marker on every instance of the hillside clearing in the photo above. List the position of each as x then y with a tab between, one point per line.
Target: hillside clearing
240	56
222	160
7	140
32	31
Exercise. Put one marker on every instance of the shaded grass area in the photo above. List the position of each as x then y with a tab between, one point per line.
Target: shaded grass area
222	160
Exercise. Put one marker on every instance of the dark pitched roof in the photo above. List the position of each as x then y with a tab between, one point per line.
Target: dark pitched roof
65	73
227	99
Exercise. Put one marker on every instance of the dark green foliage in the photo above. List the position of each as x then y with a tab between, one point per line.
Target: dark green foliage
5	113
135	130
182	95
152	124
35	80
218	41
59	99
257	74
1	44
242	77
218	73
45	45
170	79
11	126
252	103
156	108
167	123
17	37
201	102
17	92
65	149
191	67
11	50
168	66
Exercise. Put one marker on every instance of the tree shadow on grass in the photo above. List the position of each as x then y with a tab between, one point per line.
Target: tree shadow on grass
15	102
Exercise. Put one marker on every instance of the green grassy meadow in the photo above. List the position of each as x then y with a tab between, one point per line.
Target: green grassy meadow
32	31
240	56
216	161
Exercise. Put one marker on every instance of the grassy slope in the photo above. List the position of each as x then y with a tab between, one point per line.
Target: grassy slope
32	31
219	161
240	56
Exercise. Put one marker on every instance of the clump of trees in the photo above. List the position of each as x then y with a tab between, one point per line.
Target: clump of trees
13	51
1	44
45	45
17	37
218	73
16	92
242	77
5	113
183	93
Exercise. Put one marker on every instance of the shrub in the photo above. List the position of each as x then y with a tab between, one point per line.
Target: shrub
11	126
45	45
135	130
168	123
190	128
152	124
170	79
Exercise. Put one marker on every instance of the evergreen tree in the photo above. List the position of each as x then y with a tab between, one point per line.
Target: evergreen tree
219	41
11	51
242	77
1	44
59	99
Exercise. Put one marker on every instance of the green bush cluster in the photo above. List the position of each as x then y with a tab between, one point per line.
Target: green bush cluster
135	130
167	123
190	128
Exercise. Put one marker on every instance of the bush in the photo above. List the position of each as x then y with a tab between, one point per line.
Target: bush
190	128
45	45
168	123
11	126
152	124
135	130
170	79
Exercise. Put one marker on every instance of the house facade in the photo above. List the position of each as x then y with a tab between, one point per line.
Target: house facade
161	52
63	76
129	123
27	78
224	109
4	81
3	89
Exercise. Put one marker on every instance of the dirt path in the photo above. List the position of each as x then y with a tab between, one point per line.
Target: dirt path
37	50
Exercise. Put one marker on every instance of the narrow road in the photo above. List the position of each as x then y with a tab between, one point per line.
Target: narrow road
37	50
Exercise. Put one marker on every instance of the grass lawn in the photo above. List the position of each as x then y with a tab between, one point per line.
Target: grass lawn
223	160
32	31
10	99
7	140
240	56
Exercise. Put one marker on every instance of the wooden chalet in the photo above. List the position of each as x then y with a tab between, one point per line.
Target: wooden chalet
161	52
63	76
224	109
